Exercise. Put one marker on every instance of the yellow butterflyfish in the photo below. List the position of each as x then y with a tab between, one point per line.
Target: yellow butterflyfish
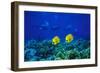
56	40
69	38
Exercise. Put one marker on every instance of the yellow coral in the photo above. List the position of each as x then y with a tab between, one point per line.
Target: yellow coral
55	40
69	38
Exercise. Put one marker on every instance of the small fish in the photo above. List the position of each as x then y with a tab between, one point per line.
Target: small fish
68	27
69	38
55	27
75	30
56	40
44	26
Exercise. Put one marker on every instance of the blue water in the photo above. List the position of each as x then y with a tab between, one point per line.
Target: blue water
46	25
41	27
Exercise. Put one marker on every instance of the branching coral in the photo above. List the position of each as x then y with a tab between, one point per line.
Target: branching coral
85	54
72	54
29	53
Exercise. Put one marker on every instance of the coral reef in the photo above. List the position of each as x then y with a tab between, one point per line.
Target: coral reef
73	54
85	53
46	50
